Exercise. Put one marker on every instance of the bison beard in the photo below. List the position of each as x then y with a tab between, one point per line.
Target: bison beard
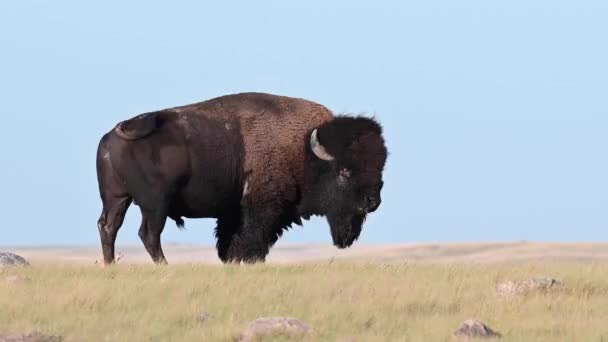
344	229
256	162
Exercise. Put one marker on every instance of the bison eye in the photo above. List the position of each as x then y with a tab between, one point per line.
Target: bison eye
343	177
345	173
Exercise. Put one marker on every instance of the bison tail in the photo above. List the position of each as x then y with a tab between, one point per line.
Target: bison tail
138	127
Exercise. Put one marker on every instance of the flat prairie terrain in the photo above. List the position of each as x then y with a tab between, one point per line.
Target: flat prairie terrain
488	252
418	292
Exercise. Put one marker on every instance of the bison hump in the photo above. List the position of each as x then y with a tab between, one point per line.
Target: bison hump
139	126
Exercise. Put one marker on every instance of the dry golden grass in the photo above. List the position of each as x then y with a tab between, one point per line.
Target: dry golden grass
367	302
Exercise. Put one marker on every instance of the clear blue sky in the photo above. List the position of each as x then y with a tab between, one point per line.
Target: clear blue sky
496	113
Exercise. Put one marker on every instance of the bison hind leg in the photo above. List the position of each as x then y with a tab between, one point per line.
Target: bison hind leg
152	225
110	221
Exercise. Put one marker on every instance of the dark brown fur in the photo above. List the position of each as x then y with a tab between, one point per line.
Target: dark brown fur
244	159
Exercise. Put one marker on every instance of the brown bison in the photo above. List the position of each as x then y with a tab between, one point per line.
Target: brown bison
256	162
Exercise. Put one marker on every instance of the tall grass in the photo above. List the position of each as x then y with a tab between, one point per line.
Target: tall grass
367	302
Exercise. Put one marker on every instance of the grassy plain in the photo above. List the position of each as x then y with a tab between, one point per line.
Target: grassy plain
365	301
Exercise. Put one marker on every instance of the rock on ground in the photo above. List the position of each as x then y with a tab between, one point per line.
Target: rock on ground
30	338
10	259
273	326
472	328
521	288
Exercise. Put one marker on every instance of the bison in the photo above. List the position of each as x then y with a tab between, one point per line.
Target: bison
256	162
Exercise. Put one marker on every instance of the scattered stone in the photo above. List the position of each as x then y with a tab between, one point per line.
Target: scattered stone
472	328
511	289
204	317
30	338
10	259
275	326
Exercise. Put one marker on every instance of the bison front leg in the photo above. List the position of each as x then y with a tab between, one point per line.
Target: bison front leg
246	232
249	239
226	232
248	248
245	246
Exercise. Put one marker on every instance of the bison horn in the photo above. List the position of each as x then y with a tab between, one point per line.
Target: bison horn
317	148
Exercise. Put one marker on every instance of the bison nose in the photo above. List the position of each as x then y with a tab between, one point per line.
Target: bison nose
373	203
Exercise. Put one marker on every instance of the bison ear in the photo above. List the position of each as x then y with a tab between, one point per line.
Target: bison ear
317	148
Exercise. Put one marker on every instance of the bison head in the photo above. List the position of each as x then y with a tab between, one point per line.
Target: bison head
347	157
